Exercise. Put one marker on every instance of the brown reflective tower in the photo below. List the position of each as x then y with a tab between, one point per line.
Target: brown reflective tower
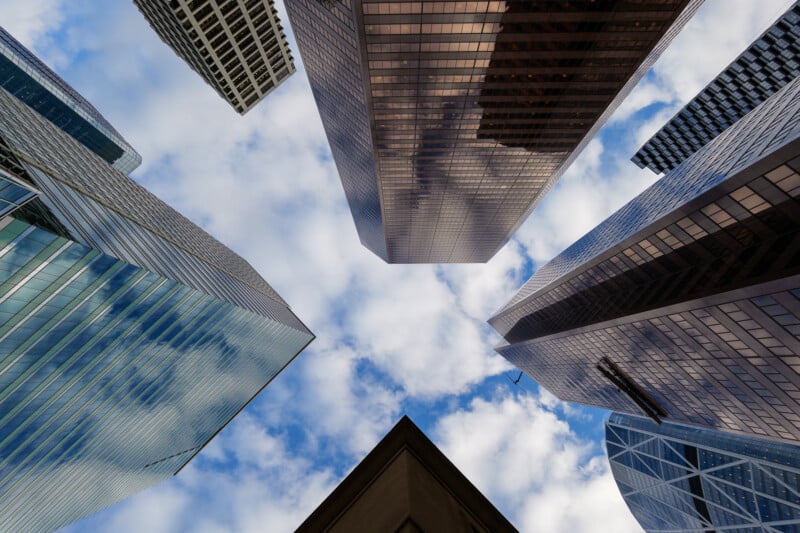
684	305
405	484
449	120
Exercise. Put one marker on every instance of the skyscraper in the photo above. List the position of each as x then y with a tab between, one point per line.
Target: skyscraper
128	336
449	120
29	79
684	305
406	484
238	47
772	61
680	478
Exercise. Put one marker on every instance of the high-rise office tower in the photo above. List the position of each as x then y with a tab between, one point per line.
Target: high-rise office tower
29	79
772	61
695	480
128	336
683	305
449	120
405	484
236	46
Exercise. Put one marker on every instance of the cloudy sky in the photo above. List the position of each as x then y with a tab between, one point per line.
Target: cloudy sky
391	339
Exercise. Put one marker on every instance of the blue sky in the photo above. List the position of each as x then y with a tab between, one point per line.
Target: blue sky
391	339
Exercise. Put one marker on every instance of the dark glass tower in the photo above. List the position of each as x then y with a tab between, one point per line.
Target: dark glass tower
683	305
680	478
128	336
449	120
26	77
771	62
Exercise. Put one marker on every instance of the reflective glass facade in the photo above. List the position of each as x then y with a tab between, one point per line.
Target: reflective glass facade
128	336
771	62
112	377
683	305
236	46
13	193
449	120
34	83
693	480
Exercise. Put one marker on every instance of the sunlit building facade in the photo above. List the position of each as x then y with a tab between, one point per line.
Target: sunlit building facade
448	121
684	305
694	480
238	47
128	336
772	61
25	76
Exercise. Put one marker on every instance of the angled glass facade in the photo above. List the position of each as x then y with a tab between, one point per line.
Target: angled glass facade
128	336
238	47
683	305
13	193
112	377
680	478
34	83
771	62
448	121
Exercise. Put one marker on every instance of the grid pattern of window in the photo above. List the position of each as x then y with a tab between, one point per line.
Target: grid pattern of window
729	361
680	478
771	62
328	40
106	210
475	108
768	128
112	377
236	46
26	77
747	235
690	291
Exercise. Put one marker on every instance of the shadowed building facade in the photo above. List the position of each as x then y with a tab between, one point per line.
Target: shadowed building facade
683	305
25	76
405	484
772	61
449	120
236	46
128	336
681	478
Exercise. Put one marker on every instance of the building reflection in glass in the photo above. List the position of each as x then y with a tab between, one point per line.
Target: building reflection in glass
463	114
684	304
112	378
128	336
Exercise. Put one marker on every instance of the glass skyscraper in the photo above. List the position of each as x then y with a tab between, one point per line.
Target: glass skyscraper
449	120
768	64
684	305
693	480
128	336
236	46
25	76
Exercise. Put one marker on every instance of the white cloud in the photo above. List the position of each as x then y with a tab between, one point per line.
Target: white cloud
719	32
30	21
482	289
249	481
387	334
339	402
645	94
712	39
595	186
533	468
